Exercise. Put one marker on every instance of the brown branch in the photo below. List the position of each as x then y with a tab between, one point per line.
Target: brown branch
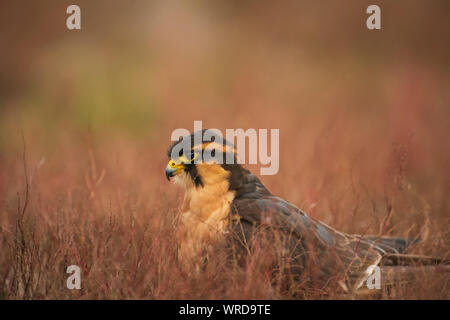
25	169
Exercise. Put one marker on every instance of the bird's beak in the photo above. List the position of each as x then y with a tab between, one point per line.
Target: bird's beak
173	168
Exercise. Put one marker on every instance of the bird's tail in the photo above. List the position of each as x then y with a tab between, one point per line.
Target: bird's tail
392	276
394	252
405	274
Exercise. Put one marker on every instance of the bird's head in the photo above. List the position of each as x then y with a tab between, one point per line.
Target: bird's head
202	158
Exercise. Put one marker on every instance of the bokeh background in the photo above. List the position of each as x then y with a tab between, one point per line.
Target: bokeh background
363	118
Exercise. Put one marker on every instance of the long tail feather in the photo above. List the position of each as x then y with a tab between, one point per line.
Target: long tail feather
396	259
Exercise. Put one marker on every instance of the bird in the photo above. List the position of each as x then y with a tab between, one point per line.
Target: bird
226	207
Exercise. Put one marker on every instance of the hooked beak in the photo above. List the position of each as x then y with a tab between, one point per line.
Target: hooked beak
173	169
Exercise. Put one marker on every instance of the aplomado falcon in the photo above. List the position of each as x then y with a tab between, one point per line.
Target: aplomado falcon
226	206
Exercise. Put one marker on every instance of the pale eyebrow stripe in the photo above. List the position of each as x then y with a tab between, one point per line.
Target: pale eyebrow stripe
214	145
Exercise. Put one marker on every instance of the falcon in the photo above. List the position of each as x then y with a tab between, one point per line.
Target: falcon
228	209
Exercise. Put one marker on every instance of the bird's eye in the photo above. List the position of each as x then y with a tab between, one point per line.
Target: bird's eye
173	164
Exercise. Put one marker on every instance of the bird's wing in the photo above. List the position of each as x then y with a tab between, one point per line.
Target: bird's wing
308	245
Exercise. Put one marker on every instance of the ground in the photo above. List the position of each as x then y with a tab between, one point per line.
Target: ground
86	118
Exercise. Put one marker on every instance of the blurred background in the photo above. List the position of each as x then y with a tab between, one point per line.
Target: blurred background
363	115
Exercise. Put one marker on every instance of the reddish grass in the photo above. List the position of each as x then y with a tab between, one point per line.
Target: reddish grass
109	210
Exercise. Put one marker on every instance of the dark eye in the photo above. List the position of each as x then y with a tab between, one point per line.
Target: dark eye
213	153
